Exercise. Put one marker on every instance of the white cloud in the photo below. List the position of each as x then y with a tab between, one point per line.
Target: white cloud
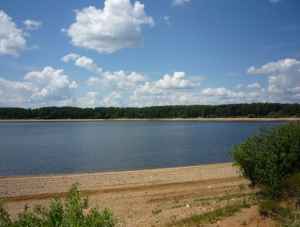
284	78
112	80
45	88
88	64
53	84
112	99
15	93
32	25
148	89
179	2
179	80
70	57
91	100
115	27
11	38
119	80
275	67
147	96
239	86
274	1
232	74
253	86
167	19
164	90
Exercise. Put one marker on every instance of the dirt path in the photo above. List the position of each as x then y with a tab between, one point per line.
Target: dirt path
139	198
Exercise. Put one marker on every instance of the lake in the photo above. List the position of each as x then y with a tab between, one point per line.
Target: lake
38	148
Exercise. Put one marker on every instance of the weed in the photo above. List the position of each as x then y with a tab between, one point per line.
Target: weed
174	207
211	216
156	211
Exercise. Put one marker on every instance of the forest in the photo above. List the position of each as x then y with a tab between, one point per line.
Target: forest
251	110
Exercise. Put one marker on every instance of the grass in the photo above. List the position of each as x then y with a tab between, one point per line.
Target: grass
211	216
156	211
179	206
221	210
284	213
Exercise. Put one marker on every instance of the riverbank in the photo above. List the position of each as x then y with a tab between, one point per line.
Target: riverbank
139	198
242	119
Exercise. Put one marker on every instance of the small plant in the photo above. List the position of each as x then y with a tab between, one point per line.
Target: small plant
241	188
174	207
227	198
244	222
59	215
156	211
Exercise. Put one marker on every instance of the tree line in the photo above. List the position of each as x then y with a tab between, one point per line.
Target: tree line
273	110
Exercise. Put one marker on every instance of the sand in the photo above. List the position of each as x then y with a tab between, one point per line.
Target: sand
135	196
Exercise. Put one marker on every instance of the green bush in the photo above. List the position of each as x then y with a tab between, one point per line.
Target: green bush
59	215
269	157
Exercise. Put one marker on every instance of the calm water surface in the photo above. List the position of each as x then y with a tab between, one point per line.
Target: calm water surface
34	148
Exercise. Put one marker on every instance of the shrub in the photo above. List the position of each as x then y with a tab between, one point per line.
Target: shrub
59	215
269	157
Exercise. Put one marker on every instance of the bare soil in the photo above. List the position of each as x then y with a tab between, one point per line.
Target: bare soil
141	198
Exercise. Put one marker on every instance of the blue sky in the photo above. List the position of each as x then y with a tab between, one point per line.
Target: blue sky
145	53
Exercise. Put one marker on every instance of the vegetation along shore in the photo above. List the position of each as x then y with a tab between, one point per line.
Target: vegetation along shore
252	110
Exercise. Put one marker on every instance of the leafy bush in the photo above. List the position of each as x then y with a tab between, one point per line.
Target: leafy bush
59	215
269	157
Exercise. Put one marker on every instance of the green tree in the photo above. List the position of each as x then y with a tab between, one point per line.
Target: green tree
269	157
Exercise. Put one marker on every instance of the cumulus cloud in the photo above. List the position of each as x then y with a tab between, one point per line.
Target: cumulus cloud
179	2
284	77
112	80
112	99
11	38
164	90
91	100
115	27
53	84
274	1
47	87
32	25
119	80
17	86
148	89
179	80
147	96
84	62
239	86
69	57
253	86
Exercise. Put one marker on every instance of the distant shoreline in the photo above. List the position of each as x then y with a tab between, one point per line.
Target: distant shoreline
159	119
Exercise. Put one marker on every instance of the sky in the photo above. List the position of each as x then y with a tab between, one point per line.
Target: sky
126	53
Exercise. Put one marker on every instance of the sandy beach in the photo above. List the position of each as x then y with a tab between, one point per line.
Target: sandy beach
133	195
